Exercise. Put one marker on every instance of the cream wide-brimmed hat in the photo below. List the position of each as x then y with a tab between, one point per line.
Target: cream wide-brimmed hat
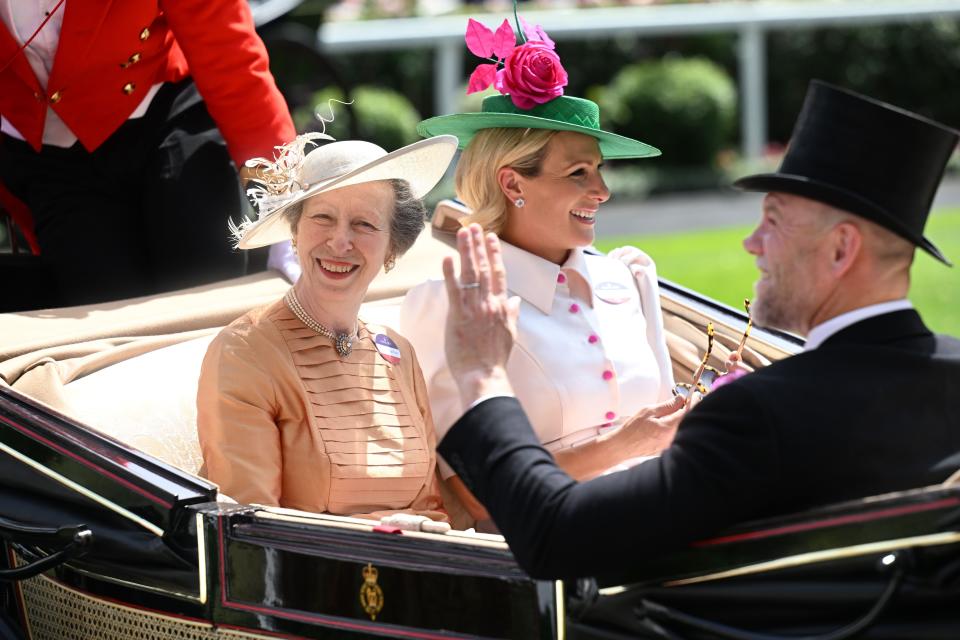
333	166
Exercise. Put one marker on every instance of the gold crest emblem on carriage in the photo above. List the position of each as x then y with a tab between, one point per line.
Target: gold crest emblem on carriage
371	595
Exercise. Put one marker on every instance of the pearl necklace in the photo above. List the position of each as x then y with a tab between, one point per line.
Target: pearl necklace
342	342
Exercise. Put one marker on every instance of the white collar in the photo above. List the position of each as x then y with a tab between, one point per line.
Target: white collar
535	279
819	334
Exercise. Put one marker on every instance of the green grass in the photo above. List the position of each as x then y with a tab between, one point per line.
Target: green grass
715	264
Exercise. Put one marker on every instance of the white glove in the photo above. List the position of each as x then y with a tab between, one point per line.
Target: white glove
283	259
410	522
644	272
631	256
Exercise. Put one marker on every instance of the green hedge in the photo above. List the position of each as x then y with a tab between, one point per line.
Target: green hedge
684	106
914	66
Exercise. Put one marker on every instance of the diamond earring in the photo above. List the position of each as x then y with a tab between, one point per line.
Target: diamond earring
519	202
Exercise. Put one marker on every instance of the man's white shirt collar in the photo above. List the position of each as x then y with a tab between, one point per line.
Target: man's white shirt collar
819	334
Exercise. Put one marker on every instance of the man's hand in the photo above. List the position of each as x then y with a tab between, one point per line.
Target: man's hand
735	369
482	322
733	364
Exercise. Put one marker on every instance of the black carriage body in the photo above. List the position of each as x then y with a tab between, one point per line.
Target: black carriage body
168	559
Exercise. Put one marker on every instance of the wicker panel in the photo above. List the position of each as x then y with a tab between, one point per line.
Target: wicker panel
57	612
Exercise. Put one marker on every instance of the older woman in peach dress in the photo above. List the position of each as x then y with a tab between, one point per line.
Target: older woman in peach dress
301	404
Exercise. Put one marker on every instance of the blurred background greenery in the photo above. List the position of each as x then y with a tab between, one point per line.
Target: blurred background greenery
676	92
714	263
638	80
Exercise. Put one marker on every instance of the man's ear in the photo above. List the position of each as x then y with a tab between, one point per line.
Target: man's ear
509	181
846	244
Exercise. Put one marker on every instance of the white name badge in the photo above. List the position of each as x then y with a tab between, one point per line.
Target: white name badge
612	292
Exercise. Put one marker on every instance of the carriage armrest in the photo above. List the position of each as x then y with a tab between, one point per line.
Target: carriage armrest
953	480
917	518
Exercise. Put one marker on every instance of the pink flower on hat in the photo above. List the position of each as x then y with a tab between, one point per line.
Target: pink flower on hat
531	73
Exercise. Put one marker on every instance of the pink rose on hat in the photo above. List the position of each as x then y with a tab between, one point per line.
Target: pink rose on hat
531	73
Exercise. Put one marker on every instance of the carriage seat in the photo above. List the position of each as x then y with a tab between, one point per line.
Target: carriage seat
147	402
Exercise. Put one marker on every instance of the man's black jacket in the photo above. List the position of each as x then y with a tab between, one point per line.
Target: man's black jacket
876	408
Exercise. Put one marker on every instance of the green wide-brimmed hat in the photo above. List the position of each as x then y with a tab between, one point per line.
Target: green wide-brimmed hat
565	113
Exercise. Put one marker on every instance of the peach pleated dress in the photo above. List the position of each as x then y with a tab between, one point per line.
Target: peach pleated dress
284	420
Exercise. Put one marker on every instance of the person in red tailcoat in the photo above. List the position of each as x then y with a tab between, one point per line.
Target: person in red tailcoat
124	123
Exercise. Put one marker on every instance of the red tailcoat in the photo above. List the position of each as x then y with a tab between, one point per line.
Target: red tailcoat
112	51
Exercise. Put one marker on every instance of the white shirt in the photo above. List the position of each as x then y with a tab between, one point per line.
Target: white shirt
819	334
582	361
22	17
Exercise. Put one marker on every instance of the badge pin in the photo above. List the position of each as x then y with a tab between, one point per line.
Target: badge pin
613	292
387	348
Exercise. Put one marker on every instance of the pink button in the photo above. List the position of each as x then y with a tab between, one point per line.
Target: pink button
607	374
610	415
593	339
561	278
574	308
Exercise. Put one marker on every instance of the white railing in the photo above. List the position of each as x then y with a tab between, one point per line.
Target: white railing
749	20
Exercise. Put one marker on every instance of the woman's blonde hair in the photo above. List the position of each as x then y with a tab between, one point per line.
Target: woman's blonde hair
490	150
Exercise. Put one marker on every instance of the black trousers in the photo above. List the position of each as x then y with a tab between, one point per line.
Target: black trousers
143	213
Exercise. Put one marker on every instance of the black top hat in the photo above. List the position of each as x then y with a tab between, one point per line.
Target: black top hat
866	157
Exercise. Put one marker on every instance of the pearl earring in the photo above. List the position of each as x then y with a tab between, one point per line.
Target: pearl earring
519	202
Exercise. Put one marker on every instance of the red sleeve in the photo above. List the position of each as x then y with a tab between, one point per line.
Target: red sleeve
229	65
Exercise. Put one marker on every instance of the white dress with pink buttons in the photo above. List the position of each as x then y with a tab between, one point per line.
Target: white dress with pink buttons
590	348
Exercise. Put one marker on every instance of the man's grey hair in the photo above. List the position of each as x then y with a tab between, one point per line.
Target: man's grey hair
886	245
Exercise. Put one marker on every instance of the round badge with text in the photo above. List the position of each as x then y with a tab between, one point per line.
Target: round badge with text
387	348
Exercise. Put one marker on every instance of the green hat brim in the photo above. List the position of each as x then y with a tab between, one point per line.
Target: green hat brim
466	125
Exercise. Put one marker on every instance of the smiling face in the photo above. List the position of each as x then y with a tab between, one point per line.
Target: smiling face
561	202
793	260
342	239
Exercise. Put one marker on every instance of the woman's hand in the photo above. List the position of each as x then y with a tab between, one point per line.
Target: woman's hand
482	321
651	429
645	434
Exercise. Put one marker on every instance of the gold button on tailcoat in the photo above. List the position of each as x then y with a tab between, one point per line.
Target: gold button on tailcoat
128	88
55	97
132	60
145	33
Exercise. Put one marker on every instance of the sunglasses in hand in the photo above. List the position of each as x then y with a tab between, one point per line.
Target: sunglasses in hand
705	376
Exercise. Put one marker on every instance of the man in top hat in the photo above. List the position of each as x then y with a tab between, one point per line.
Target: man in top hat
868	407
